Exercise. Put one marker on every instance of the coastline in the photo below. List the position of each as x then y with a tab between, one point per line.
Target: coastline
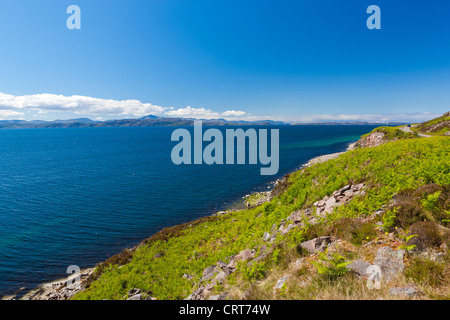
326	157
58	290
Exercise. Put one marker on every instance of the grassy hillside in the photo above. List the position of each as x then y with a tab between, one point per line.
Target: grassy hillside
413	172
392	133
439	126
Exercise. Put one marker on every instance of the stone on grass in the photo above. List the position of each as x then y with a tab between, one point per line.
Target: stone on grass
245	255
390	262
360	268
317	244
281	282
210	272
222	296
220	278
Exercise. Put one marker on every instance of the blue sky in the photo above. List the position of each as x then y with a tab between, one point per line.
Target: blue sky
285	60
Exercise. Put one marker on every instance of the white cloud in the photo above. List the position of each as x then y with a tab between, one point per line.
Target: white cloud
78	104
233	113
190	112
9	114
51	106
378	118
395	117
45	102
202	113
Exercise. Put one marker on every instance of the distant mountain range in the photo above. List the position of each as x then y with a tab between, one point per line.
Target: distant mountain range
343	123
152	120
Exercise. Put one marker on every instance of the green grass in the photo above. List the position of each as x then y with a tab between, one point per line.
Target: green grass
436	126
425	271
386	169
392	133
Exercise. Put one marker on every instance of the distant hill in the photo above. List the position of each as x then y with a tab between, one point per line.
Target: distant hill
360	123
78	120
146	121
152	120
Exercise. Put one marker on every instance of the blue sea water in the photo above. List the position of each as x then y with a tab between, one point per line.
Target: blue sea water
76	196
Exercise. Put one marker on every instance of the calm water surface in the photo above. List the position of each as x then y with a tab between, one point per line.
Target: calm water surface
76	196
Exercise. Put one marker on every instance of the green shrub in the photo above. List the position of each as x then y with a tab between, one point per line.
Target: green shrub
353	230
315	231
430	201
269	208
425	271
428	235
427	202
405	239
389	218
256	271
331	265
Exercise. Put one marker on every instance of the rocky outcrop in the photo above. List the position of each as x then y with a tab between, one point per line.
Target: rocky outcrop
390	262
338	198
298	216
139	294
245	255
436	127
316	245
217	274
63	289
257	198
371	140
281	282
360	268
200	293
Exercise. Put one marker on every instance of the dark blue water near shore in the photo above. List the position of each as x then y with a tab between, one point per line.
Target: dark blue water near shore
76	196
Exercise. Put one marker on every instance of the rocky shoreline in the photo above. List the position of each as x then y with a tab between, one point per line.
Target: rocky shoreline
61	289
58	289
327	157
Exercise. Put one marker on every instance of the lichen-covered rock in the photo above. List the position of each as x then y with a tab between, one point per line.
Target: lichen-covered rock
210	272
317	244
338	198
198	294
281	282
220	278
360	268
372	140
245	255
390	262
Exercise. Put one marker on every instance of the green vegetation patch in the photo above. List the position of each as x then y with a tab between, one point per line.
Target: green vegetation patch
393	133
426	272
161	264
439	125
354	231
